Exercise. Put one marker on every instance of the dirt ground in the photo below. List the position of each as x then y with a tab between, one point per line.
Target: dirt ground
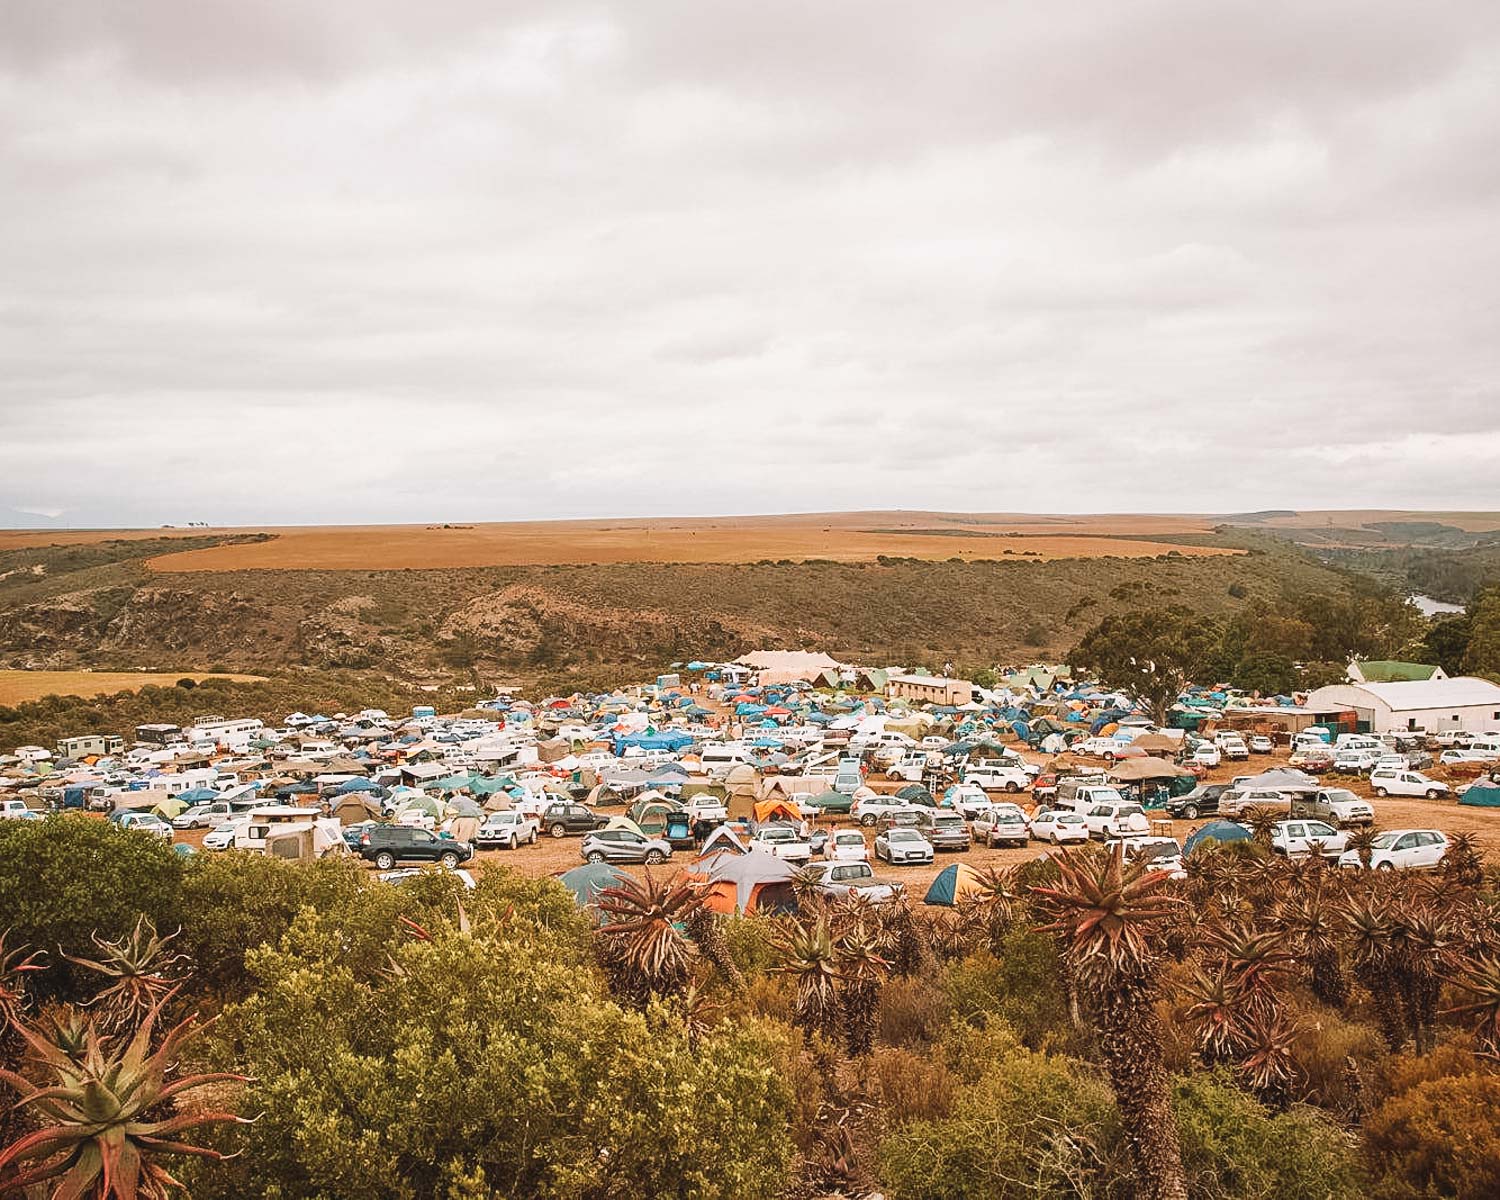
552	856
19	686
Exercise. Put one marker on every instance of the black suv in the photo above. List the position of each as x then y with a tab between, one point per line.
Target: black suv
562	819
1202	801
386	845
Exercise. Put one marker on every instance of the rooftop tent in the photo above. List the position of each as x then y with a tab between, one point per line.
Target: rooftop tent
1216	831
1484	795
587	881
952	884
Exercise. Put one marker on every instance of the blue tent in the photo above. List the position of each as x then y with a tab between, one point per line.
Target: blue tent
952	882
356	785
198	795
1485	795
1216	831
587	881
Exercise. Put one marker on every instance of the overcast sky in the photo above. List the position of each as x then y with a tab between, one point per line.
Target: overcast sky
374	260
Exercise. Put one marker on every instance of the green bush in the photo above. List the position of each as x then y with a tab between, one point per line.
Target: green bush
1029	1126
1234	1148
1022	985
66	878
487	1063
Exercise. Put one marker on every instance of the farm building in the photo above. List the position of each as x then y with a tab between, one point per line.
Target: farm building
929	689
1435	705
90	744
1384	671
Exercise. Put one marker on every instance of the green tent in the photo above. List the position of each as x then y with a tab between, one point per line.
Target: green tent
952	883
587	881
1484	795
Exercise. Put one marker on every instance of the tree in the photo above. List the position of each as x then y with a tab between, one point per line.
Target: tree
1106	915
1482	654
1150	654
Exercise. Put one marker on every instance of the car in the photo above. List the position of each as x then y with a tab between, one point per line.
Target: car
145	822
1101	747
1261	744
1233	748
1314	759
1415	849
1359	761
221	837
201	816
1206	754
386	845
1337	806
1462	758
623	845
846	845
969	800
707	807
1059	825
1081	793
560	820
869	810
1002	825
507	829
903	846
1163	853
1117	819
15	810
944	829
1390	782
1203	800
999	779
1297	839
1236	800
911	766
784	842
841	878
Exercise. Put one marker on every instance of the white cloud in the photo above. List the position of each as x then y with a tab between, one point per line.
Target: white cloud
376	261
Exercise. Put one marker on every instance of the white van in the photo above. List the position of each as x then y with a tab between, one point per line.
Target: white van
718	761
1083	797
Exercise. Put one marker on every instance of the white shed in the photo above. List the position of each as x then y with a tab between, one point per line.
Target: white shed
1435	705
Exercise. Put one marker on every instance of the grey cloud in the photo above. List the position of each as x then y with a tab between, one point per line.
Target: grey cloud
465	261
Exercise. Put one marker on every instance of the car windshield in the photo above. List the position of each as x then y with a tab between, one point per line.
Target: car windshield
1385	841
777	835
1008	812
1341	795
904	835
849	839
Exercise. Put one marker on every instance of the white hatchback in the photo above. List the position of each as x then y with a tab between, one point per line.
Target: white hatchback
1059	825
1417	849
1388	781
846	845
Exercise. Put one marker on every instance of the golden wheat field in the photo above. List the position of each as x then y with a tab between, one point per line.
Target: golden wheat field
17	687
843	537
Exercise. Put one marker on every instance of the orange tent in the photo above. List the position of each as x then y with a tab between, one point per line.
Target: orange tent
775	810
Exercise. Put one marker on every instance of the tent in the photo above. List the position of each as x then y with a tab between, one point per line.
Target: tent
775	809
1157	743
462	806
587	881
622	822
1134	770
754	881
169	808
1485	795
1216	831
953	882
1282	779
354	808
722	840
198	796
355	785
915	793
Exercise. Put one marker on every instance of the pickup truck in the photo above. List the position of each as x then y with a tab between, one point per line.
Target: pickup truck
1339	807
16	810
707	808
507	828
910	767
784	842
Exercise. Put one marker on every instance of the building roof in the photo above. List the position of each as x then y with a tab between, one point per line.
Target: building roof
1462	691
933	681
1391	671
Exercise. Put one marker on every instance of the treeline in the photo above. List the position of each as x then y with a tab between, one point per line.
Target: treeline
1468	644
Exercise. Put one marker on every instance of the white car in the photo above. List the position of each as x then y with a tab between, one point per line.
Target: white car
784	842
846	845
1390	782
1163	853
903	846
968	799
1002	825
1417	849
998	779
1207	755
1355	762
1101	747
868	810
1261	744
507	829
1296	839
1117	820
221	837
1454	758
1059	825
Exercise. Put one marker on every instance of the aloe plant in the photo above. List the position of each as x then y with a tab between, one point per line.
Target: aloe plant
99	1102
143	970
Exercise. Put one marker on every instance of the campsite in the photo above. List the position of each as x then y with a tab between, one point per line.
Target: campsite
715	861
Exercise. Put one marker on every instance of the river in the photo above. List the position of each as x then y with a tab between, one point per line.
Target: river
1435	608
